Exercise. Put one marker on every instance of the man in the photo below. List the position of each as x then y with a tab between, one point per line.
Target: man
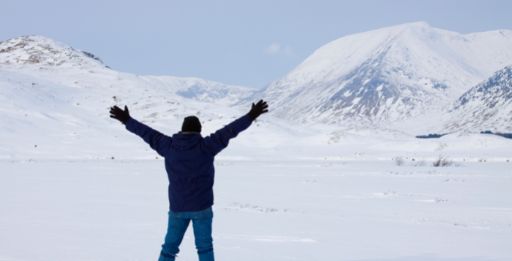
189	165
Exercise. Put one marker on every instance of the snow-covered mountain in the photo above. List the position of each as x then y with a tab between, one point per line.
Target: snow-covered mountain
41	51
42	56
54	97
383	77
487	106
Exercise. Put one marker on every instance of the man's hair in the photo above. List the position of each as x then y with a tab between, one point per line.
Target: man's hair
191	124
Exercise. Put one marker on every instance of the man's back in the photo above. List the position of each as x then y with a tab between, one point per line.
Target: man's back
190	169
189	161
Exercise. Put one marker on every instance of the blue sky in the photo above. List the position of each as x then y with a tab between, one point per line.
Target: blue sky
232	41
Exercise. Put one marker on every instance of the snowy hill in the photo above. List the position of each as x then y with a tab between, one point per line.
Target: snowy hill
55	98
42	51
388	75
487	106
38	55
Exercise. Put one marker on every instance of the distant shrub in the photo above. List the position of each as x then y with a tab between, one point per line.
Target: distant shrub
442	162
399	161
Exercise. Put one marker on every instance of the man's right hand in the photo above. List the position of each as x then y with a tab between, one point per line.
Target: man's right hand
122	115
257	109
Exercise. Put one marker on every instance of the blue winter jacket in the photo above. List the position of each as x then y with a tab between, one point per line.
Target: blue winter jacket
189	161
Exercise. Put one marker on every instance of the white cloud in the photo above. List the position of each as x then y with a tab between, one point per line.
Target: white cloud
276	48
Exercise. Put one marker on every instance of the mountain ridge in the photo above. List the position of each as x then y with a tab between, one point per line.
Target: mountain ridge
486	106
388	75
44	51
59	98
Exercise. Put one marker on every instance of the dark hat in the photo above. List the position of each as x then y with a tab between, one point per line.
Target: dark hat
191	124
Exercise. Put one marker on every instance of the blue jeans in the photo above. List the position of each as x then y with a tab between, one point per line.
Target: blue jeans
178	223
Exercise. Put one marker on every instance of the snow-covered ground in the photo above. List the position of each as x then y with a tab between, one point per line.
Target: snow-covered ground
323	209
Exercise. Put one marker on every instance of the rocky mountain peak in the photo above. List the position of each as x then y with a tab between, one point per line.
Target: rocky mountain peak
42	51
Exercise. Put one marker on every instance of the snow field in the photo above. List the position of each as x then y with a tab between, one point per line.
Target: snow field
364	210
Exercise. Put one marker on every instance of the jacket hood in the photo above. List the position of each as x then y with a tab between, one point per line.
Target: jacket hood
185	141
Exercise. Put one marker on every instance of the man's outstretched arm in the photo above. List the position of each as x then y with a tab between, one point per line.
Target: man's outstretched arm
156	140
220	139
